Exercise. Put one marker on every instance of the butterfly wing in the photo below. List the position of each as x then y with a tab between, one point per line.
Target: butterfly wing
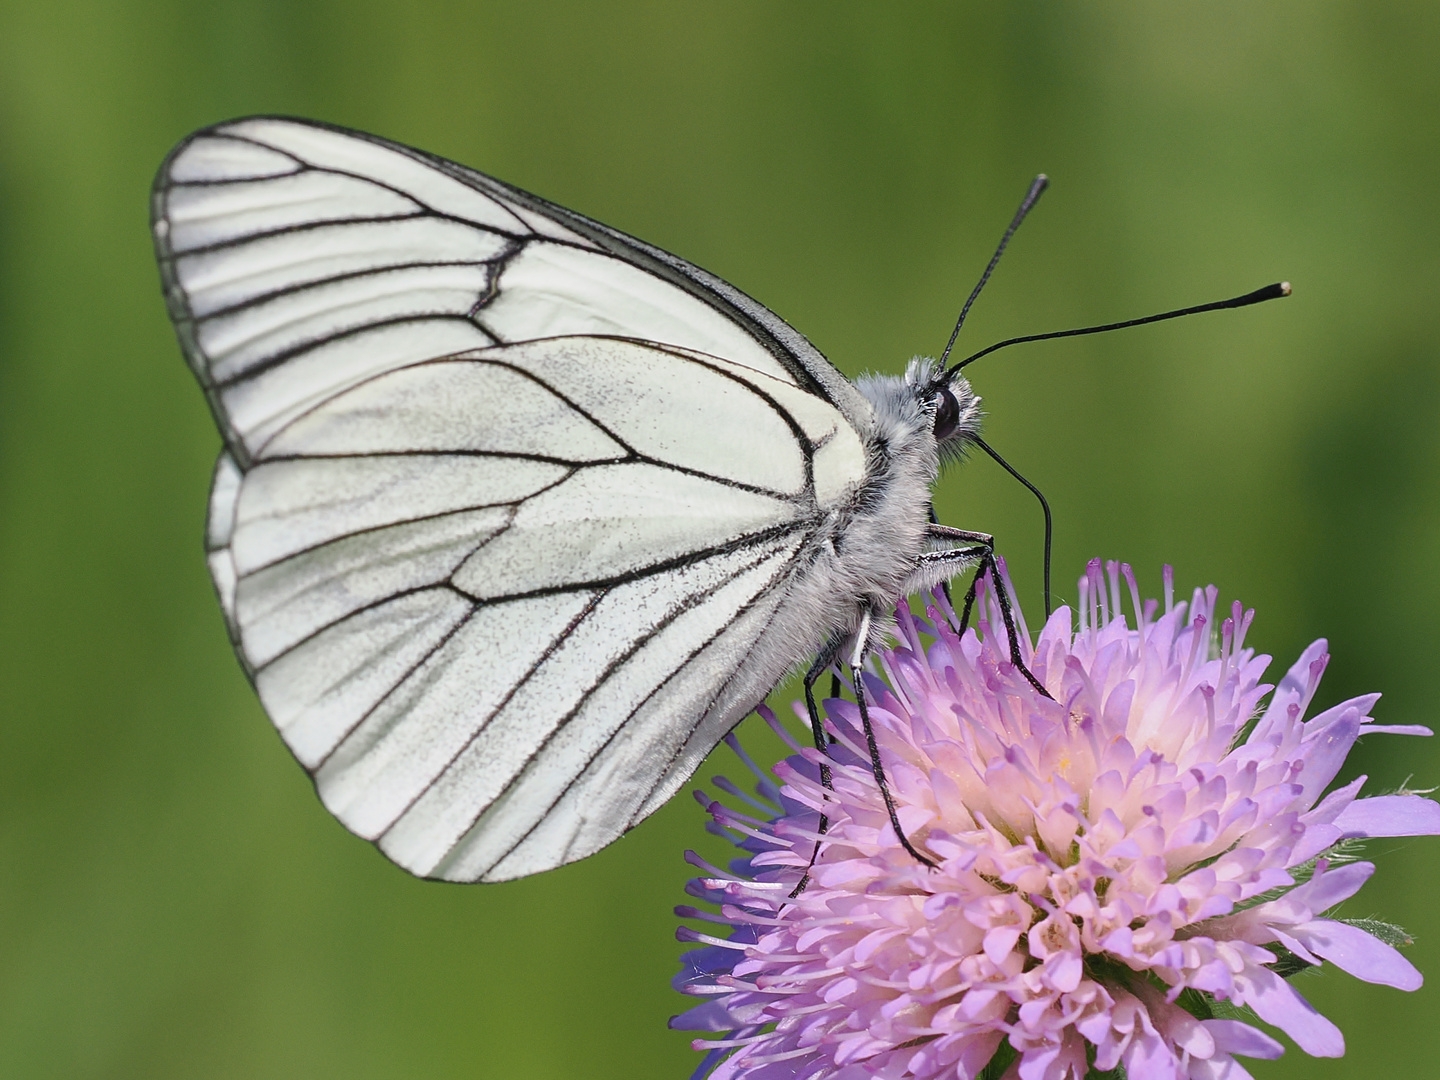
508	498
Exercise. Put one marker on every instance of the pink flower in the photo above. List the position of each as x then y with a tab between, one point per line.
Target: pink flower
1111	865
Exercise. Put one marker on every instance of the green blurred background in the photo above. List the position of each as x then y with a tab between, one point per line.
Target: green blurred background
173	900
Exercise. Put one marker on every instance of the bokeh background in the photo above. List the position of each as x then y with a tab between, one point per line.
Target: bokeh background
173	900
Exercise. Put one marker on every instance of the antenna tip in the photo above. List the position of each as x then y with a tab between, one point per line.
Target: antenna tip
1268	292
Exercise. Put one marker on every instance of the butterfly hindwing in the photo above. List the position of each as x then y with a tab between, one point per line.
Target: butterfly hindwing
508	498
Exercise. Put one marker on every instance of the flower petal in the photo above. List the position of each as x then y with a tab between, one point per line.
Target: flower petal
713	1015
1234	1037
1276	1002
1295	689
1395	729
1324	751
1352	949
1391	815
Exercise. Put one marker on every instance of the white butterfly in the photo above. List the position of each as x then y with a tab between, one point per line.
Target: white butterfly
517	516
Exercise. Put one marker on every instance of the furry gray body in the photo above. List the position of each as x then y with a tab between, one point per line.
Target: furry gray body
868	555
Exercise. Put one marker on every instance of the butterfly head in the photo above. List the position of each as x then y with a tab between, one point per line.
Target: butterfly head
949	403
955	409
927	412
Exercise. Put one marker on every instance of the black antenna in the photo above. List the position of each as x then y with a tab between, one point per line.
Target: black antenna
1045	506
1037	187
1259	296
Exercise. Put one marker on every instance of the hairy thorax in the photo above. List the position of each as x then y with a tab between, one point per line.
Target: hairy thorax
868	553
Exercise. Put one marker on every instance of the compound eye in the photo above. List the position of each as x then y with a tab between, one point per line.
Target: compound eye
947	415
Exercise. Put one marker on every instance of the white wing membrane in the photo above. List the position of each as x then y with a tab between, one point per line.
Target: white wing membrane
287	507
554	290
381	164
283	604
293	263
219	528
457	406
636	767
602	673
613	521
215	158
508	497
264	402
317	692
208	215
402	746
284	325
679	409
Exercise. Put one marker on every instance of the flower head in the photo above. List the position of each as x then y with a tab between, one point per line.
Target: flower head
1111	865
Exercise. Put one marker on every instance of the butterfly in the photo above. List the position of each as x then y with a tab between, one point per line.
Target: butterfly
517	516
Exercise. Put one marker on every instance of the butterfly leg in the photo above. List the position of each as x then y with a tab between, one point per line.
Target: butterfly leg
857	663
824	660
944	585
984	549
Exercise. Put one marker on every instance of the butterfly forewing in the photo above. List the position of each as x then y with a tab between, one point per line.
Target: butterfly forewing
508	498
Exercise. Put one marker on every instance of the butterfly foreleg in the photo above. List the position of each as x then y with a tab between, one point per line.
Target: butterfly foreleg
857	664
982	547
944	585
824	661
